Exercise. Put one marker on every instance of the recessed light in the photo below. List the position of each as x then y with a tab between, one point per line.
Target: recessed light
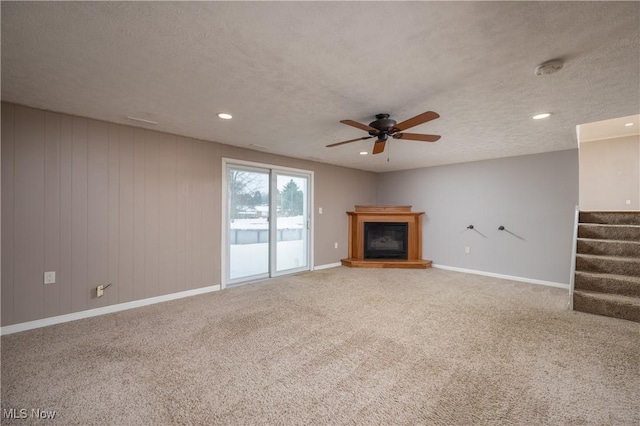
225	116
541	116
629	124
363	152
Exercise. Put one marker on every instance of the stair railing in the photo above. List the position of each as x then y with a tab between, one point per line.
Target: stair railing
574	252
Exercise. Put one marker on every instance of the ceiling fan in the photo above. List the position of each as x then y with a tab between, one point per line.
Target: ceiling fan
383	127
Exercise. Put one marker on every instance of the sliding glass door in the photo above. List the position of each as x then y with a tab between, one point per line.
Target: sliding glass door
268	222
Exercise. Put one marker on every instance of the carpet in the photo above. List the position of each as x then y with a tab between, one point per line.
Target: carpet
335	346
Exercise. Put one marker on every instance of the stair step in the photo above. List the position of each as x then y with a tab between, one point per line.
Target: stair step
609	232
608	264
611	217
610	305
607	277
608	283
609	247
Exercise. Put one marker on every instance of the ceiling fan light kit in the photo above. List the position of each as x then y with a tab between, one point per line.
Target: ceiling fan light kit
383	127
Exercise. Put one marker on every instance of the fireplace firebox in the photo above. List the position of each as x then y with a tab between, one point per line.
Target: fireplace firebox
385	240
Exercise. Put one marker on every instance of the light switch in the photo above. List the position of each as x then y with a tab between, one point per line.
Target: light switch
319	210
50	277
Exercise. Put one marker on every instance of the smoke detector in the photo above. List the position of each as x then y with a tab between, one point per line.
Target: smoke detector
549	67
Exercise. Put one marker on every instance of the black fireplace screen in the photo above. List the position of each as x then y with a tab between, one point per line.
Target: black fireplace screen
385	240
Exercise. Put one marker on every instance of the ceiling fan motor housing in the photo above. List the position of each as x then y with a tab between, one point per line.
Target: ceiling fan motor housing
382	124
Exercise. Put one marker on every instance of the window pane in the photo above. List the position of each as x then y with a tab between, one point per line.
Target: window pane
291	246
248	197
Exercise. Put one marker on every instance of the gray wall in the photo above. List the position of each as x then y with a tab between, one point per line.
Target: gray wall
533	196
103	203
610	174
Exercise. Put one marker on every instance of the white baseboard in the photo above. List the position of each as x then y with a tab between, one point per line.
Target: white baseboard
15	328
503	277
327	266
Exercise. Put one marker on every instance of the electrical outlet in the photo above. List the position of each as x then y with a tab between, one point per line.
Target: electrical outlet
100	291
335	245
628	201
467	250
50	277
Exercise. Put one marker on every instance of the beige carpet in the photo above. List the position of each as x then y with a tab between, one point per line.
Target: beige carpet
354	346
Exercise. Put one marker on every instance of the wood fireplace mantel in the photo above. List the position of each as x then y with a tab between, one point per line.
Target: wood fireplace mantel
399	214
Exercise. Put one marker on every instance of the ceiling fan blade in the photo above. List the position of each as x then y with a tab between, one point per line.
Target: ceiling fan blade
378	147
349	141
359	125
418	119
416	137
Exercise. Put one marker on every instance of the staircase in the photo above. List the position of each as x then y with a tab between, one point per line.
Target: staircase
607	279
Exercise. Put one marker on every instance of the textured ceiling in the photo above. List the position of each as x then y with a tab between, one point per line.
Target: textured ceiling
289	71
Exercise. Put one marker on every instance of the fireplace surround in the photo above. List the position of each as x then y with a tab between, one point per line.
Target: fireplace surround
385	237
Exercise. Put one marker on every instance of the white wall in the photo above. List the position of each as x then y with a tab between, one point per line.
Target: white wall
533	196
610	174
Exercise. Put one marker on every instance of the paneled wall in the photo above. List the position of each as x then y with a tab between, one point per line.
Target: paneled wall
100	203
104	203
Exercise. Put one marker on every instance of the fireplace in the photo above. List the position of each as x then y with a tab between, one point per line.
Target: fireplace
385	240
385	237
